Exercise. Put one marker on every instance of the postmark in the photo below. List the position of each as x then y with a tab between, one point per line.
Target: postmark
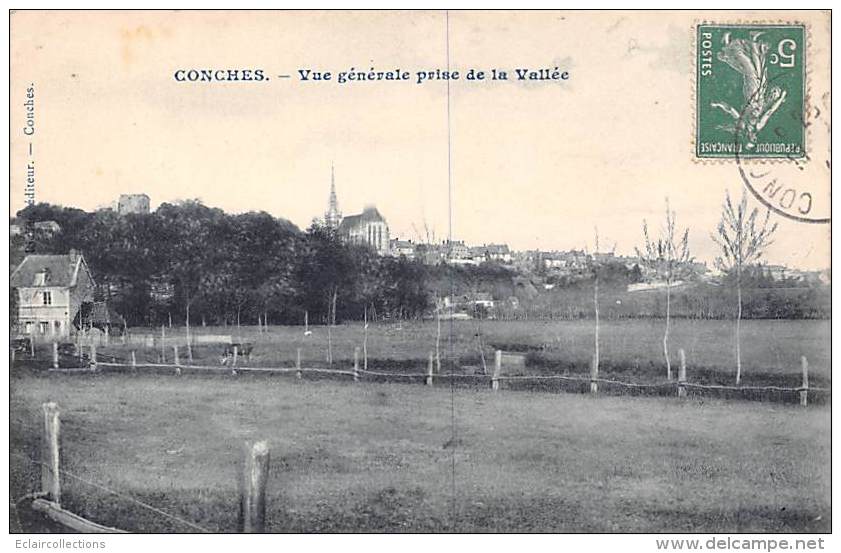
797	189
751	82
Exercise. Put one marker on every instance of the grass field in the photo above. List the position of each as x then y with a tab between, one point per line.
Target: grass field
630	349
380	457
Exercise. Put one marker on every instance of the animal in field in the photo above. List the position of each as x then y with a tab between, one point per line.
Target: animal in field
243	351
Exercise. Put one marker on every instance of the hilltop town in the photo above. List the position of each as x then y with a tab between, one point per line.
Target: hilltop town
370	228
145	267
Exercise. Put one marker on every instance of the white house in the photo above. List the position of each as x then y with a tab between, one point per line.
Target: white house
50	292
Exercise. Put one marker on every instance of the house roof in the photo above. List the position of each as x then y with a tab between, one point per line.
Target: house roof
490	249
62	270
497	248
368	215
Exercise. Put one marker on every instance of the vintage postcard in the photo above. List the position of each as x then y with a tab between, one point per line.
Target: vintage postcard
421	272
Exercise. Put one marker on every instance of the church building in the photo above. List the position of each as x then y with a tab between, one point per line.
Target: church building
369	227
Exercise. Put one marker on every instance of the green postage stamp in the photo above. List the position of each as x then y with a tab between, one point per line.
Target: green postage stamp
750	91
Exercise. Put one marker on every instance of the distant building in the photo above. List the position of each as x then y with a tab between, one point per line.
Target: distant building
369	228
133	203
430	254
457	249
403	248
332	217
492	252
49	227
482	299
51	290
779	272
22	228
568	260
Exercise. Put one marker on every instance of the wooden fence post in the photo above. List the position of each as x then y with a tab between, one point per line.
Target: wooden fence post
163	344
176	359
55	355
236	356
133	360
681	375
497	370
298	363
804	394
594	375
93	355
356	364
12	362
32	347
254	477
50	476
365	341
430	368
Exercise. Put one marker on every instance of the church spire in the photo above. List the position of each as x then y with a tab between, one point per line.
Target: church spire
334	204
332	217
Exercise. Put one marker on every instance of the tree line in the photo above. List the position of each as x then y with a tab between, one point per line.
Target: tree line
189	261
191	264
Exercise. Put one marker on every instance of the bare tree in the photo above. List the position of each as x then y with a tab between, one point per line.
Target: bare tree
596	267
429	241
742	240
596	262
667	257
331	322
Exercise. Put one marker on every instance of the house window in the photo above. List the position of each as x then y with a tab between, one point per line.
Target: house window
27	327
48	297
44	327
56	327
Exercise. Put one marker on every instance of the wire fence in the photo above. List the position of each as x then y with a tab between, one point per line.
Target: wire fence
231	363
595	383
33	496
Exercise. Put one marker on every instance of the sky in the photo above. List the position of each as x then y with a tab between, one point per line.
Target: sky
536	165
